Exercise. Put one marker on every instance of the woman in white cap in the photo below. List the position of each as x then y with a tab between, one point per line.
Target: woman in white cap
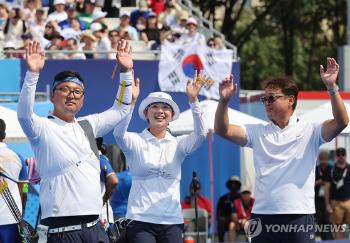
155	158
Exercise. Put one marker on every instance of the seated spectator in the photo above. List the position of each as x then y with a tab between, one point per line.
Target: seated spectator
202	201
151	33
98	17
30	7
59	14
219	43
37	28
15	27
211	42
87	15
192	36
88	41
142	11
169	35
124	26
243	209
157	6
102	42
8	47
74	31
57	54
4	14
73	45
225	208
71	14
114	37
181	21
169	16
112	8
27	38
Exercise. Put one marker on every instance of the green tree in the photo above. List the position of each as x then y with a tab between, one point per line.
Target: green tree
284	37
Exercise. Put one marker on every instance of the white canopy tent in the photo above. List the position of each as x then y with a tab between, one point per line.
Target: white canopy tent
14	132
324	112
184	125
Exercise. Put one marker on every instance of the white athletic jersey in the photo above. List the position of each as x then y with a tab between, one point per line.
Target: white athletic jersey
69	169
285	161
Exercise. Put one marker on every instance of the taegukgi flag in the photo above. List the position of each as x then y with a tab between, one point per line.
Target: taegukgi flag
178	63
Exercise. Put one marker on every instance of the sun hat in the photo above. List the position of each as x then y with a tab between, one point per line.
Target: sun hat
158	97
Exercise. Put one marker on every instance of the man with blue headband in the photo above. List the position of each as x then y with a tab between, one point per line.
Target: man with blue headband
68	164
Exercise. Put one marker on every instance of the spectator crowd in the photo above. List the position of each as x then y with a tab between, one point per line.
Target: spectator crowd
90	29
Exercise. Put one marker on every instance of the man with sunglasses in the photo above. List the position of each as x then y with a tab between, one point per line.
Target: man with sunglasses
65	148
285	155
337	192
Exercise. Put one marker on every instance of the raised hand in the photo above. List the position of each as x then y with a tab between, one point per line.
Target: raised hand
329	77
35	57
124	56
227	88
135	91
193	88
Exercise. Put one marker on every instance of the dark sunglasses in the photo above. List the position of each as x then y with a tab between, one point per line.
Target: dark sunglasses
270	98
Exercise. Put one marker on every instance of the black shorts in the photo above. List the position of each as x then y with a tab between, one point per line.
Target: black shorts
282	228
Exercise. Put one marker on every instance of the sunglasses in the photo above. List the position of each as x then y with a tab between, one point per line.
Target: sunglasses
270	98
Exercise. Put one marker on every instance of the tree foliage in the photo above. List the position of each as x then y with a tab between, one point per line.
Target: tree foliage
282	37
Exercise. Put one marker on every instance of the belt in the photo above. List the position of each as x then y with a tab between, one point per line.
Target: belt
73	227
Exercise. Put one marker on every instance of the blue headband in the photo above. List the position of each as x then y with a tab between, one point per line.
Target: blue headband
68	79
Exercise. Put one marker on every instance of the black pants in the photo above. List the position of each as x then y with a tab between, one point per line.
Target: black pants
94	234
282	228
141	232
322	218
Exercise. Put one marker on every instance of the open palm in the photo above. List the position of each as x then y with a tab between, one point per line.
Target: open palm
193	87
35	57
227	88
124	55
329	77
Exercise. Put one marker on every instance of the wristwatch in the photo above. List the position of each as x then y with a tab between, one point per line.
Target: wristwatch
333	90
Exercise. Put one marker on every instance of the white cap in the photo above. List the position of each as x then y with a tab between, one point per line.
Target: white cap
158	97
124	13
98	15
55	2
246	188
9	44
96	27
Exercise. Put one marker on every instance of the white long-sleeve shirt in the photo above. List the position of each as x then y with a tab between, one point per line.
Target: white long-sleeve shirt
155	165
69	169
